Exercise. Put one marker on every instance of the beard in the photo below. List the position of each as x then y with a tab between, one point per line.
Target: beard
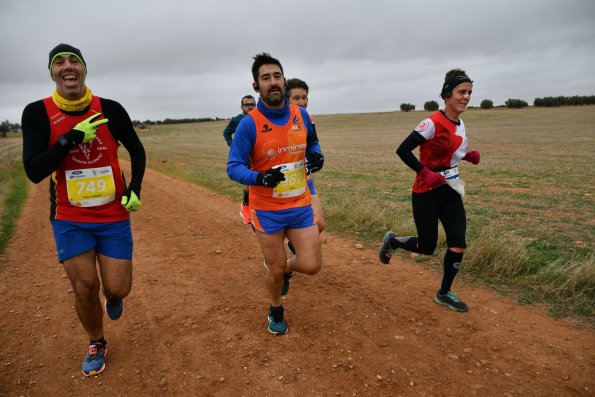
273	99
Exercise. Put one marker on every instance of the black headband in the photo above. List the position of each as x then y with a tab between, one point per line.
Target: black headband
62	49
451	83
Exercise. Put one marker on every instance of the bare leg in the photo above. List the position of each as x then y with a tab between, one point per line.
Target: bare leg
82	272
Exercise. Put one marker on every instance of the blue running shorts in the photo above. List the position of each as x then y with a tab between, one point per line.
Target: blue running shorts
311	186
112	239
271	222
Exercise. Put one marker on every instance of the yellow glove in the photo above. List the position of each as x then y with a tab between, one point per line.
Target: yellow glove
132	202
89	128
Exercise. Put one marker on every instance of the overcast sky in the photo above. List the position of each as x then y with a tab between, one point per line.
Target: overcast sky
192	58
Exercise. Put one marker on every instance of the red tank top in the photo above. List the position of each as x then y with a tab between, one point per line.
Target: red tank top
88	185
283	146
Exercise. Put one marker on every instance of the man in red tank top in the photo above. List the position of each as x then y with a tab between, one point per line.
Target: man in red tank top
73	137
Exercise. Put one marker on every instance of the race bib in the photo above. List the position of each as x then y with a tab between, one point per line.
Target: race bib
294	183
452	173
453	179
90	187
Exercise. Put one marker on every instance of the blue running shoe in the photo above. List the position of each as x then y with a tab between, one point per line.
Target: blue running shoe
278	327
94	362
452	301
286	278
114	307
386	252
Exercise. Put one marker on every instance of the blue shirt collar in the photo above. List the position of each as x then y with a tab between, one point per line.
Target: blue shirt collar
273	113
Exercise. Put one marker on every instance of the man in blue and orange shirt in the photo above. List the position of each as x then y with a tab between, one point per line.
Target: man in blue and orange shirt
272	148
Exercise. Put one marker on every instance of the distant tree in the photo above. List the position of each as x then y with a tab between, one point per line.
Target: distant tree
431	106
407	107
515	103
486	104
4	128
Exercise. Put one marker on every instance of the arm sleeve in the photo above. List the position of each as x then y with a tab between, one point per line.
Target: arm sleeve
405	149
230	130
238	161
39	160
122	129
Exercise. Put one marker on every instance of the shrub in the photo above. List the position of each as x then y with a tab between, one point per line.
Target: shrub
515	103
431	106
486	104
407	107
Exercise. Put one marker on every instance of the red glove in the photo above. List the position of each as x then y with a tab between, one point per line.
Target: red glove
431	178
472	156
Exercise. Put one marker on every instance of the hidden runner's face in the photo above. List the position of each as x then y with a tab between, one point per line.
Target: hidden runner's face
247	105
69	74
271	85
299	96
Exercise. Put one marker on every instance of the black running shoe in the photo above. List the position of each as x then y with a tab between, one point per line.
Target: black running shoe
286	278
278	327
386	252
114	307
452	301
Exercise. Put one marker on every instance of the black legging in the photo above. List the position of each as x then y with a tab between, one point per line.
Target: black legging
446	205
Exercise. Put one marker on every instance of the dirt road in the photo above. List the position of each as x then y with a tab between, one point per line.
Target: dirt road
195	321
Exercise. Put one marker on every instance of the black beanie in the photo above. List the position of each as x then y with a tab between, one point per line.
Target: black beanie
65	49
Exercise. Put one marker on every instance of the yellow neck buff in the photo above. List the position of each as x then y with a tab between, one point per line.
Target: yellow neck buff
73	106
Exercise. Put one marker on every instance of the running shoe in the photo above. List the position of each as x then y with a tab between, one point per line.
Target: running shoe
386	251
114	307
278	327
286	278
452	301
94	362
245	213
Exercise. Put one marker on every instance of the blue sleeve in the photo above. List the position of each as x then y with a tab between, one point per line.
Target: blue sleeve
313	145
238	161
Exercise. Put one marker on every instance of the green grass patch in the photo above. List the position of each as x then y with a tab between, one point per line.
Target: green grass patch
13	187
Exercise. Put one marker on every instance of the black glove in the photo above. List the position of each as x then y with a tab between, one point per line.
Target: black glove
314	162
270	178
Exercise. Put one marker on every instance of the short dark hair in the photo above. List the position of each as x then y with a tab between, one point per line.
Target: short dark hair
296	83
245	97
264	59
